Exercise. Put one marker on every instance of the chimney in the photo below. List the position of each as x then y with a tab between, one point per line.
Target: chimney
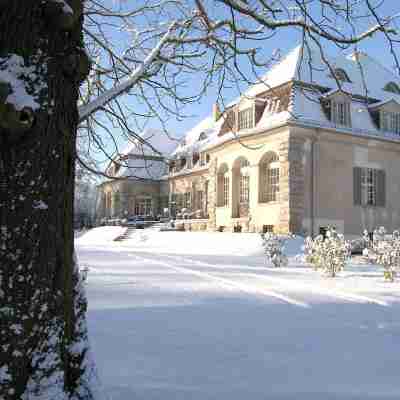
357	55
216	112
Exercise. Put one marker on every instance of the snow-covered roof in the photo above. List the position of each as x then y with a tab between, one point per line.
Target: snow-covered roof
152	142
144	157
200	137
367	79
142	168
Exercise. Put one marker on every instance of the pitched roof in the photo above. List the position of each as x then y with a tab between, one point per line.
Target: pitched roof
304	65
152	142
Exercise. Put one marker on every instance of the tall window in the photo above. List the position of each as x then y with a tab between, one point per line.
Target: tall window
200	199
225	198
341	113
244	183
244	188
116	203
390	122
143	207
269	179
108	201
246	118
188	200
369	187
223	186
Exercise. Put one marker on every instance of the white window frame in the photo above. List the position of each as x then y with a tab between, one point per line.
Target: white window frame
271	184
390	122
188	200
341	113
244	189
246	118
225	196
368	187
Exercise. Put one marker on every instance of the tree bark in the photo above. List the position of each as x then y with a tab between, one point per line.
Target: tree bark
40	315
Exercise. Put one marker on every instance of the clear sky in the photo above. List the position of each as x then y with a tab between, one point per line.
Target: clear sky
285	40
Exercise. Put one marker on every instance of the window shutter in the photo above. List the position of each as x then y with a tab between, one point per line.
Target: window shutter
380	188
357	186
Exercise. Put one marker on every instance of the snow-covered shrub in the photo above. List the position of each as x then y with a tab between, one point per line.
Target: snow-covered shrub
329	254
385	250
274	247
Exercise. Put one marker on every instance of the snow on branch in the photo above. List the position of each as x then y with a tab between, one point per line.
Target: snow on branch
87	109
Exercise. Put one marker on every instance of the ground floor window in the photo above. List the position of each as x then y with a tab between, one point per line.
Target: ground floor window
369	187
188	200
244	189
143	207
200	199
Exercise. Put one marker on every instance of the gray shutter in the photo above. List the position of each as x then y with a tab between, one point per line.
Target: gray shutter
380	188
357	186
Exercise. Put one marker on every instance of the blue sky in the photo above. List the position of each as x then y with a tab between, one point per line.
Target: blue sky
285	40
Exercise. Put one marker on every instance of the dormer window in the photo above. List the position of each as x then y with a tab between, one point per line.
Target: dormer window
392	88
246	118
341	75
386	116
390	121
340	113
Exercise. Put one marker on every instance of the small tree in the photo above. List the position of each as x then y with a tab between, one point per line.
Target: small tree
274	247
385	250
329	253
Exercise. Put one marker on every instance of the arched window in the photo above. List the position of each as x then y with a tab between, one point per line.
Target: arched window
244	184
223	186
269	178
341	75
392	87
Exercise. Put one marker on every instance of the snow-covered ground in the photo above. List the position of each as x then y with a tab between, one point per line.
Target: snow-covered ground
200	316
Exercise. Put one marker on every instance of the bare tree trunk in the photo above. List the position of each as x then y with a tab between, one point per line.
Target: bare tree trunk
40	317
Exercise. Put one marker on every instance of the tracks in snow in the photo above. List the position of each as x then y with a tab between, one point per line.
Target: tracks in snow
335	293
227	283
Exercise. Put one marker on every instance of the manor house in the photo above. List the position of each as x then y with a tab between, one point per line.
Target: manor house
310	145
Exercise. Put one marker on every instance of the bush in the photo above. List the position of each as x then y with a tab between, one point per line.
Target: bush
329	254
384	250
274	247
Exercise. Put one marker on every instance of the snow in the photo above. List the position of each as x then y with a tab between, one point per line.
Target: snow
20	77
100	235
142	168
305	107
196	315
152	139
40	205
66	7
